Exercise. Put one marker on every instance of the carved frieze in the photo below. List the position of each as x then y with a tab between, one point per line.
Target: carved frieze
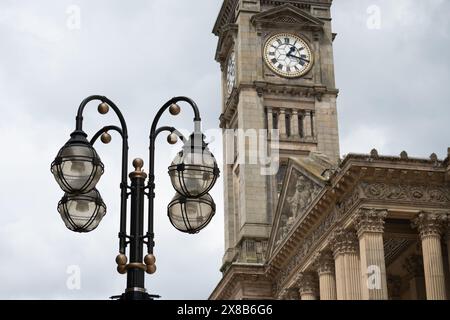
384	191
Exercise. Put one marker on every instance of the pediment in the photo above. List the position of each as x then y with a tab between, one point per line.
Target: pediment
304	181
287	14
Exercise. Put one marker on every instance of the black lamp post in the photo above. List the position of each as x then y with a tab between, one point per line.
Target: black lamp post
78	168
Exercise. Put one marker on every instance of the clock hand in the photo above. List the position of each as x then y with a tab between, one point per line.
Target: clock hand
299	58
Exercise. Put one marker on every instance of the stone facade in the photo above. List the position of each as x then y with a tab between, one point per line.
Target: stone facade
364	227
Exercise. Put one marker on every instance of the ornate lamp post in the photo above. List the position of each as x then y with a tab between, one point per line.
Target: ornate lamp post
78	168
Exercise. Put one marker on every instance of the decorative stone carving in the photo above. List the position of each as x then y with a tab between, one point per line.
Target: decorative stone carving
383	191
374	154
303	193
308	284
289	294
252	251
344	242
370	220
430	224
333	218
324	262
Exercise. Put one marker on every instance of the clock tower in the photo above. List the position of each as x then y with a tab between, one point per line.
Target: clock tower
277	68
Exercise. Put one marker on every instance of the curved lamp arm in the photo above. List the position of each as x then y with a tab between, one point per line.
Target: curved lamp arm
154	132
171	130
123	131
105	130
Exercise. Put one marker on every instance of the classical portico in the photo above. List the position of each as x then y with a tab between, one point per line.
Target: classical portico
375	229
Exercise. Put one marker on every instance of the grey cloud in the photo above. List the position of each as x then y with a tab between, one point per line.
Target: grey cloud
393	84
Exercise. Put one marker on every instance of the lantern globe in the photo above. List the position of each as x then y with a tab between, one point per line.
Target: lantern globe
191	215
194	170
77	167
82	212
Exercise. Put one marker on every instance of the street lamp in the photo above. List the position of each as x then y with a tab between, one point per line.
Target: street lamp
194	170
78	168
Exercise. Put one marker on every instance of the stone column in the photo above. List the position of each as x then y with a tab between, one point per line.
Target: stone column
431	227
345	250
307	133
324	263
295	130
370	226
282	123
269	122
307	283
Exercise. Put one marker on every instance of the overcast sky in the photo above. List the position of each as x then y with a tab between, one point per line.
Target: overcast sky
394	83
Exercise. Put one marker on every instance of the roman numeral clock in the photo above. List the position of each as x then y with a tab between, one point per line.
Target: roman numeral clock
288	55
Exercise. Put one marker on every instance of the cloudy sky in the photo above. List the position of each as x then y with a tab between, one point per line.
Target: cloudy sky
393	74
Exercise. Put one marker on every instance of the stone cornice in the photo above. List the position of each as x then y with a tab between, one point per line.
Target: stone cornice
225	16
236	273
307	91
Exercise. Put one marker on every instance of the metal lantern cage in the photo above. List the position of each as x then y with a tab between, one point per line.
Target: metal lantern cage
194	170
191	215
77	167
82	212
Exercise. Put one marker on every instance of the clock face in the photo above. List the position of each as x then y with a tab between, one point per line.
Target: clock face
231	72
288	55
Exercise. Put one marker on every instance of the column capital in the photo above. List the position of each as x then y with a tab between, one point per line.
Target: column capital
307	283
430	224
413	264
324	262
289	294
344	241
370	220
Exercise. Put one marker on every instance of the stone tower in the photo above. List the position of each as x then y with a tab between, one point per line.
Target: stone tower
277	64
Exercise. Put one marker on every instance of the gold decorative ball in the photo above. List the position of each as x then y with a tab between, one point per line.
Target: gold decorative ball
149	260
103	108
151	269
174	109
172	138
106	138
121	260
138	163
122	269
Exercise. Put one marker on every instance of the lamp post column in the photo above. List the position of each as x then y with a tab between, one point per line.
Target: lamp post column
135	276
